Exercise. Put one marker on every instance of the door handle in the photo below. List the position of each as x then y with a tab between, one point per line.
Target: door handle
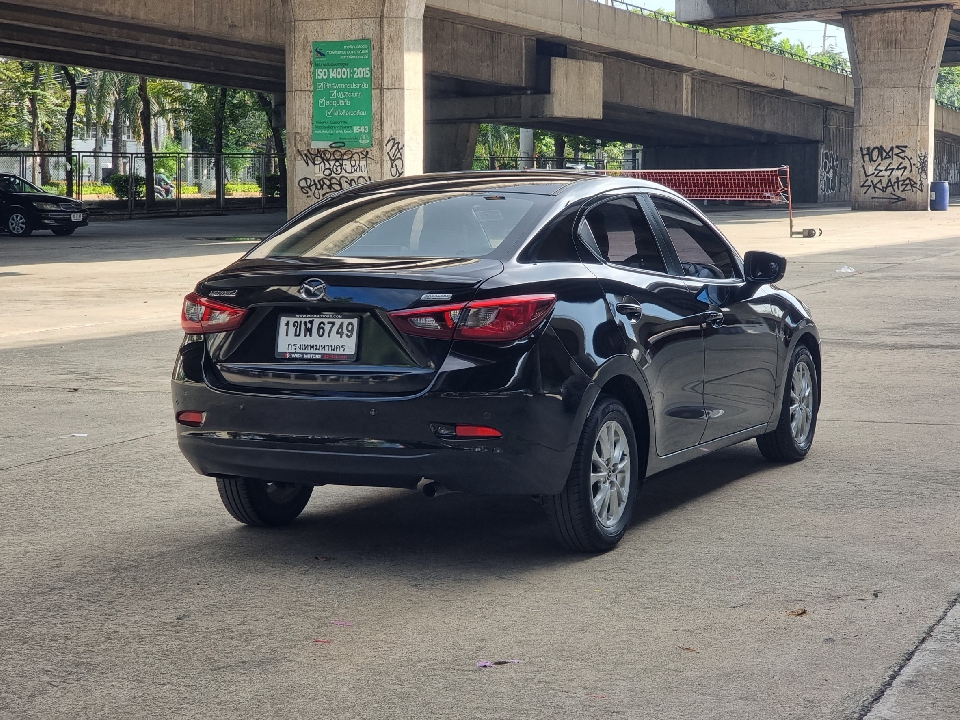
714	318
630	309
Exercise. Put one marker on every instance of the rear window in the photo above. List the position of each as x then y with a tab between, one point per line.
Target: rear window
445	225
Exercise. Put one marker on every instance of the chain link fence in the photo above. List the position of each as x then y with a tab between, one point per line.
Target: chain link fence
182	184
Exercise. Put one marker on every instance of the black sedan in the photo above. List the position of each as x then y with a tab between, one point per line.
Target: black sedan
551	334
24	208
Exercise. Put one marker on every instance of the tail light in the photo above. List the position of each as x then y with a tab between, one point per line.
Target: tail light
202	315
437	322
495	320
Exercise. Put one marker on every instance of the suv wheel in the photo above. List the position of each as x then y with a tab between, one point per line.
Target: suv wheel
261	503
793	437
593	511
18	224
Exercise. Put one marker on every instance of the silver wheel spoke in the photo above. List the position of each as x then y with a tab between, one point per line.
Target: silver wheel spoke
610	473
600	500
801	403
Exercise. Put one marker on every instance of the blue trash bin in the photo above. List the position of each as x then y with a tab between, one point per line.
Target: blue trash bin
941	195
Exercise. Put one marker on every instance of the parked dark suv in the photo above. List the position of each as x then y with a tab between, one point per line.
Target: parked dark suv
24	208
551	334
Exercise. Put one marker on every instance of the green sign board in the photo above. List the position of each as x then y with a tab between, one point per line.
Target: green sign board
342	94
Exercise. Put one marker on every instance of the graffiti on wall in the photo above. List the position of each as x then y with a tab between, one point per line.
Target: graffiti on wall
834	175
890	172
333	170
394	149
322	171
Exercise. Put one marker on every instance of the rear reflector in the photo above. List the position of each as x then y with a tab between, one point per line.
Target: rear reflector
191	418
494	320
477	431
202	315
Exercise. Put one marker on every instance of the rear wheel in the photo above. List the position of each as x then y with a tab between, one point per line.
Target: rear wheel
793	438
63	230
593	511
18	224
261	503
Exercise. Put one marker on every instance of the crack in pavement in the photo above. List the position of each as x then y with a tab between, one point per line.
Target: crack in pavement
81	388
870	703
882	267
78	452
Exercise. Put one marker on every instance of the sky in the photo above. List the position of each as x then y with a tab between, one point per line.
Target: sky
807	32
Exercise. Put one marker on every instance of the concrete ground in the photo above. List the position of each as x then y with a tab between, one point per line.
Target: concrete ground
743	589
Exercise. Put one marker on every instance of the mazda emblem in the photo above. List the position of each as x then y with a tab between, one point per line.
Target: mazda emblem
313	289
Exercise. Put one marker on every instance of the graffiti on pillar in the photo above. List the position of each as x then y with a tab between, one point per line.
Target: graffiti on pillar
333	170
394	150
890	172
833	174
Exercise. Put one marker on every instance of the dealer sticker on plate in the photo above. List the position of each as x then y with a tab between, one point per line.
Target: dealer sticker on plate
326	336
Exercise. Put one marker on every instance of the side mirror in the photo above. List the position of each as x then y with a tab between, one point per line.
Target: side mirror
764	267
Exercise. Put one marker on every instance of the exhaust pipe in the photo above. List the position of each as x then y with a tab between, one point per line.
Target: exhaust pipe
431	489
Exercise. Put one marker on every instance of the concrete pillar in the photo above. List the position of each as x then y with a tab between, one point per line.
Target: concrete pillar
526	148
395	29
450	146
895	56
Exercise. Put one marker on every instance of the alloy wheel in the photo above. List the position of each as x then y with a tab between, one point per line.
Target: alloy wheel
16	224
610	473
801	403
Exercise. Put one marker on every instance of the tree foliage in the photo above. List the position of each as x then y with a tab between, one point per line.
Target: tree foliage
16	93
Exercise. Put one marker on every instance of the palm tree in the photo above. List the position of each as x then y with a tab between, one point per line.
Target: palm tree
113	102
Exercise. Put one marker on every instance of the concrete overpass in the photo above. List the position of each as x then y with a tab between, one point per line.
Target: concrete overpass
692	100
896	48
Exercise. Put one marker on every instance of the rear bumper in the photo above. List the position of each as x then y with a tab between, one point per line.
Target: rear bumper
383	443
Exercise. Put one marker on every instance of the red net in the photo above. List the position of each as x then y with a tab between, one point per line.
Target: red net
759	185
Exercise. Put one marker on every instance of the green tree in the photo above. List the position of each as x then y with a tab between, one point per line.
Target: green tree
948	87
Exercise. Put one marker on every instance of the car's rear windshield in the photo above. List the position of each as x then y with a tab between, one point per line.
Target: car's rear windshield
445	224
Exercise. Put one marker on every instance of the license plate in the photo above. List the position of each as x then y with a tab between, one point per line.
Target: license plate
76	217
325	336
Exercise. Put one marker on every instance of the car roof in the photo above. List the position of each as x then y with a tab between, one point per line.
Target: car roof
539	182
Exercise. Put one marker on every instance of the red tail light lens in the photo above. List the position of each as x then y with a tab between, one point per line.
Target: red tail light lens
191	418
202	315
504	319
496	320
477	431
435	322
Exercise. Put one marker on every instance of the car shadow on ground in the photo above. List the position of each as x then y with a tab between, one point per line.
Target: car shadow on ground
496	532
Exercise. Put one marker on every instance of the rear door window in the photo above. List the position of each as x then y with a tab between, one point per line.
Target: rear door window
623	235
701	251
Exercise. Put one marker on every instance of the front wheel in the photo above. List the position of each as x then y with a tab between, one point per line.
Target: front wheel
261	503
593	511
18	224
793	437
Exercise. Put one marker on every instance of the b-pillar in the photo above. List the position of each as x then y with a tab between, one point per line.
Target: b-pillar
395	31
895	56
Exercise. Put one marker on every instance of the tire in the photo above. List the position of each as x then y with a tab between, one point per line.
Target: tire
17	224
576	524
263	504
62	231
793	436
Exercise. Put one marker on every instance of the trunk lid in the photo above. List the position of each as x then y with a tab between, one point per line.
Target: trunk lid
343	341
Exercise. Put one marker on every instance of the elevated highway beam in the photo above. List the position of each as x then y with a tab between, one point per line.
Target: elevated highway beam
576	66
